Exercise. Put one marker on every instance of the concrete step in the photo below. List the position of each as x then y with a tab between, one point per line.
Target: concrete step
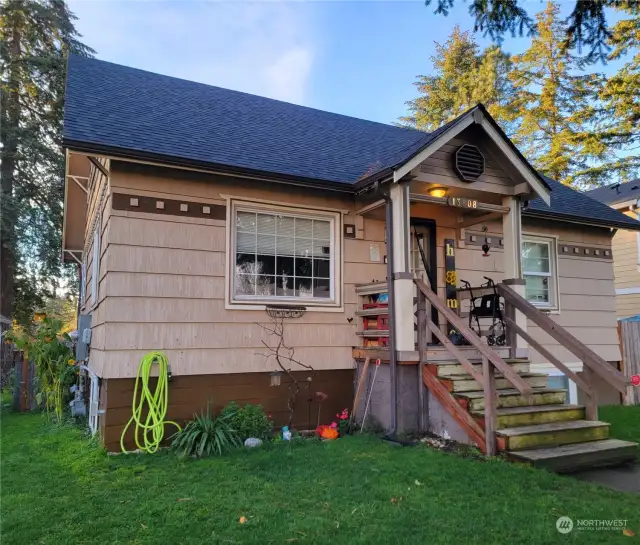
461	383
527	416
450	369
551	435
474	401
568	458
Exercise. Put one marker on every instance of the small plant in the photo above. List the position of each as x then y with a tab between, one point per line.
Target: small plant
249	421
343	422
206	435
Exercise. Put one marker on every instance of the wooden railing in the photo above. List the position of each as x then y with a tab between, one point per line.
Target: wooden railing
491	360
593	365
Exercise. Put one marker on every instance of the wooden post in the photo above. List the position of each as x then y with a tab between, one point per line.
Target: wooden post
24	386
422	354
591	409
490	406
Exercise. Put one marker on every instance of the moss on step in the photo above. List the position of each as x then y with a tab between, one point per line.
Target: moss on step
553	437
512	398
530	416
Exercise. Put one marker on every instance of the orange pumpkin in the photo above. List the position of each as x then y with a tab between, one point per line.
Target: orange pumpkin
329	433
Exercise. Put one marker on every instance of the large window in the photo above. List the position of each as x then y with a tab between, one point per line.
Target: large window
539	269
282	256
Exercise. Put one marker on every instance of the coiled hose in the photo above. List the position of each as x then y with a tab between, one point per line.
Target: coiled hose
149	430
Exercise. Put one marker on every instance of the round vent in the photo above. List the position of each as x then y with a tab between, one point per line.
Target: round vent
469	163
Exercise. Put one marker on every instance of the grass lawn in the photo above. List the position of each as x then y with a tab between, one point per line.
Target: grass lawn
57	487
624	420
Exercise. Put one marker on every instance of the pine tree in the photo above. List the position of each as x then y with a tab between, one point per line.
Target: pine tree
36	37
462	77
554	106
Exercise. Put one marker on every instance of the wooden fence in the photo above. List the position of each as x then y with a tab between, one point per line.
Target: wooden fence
630	345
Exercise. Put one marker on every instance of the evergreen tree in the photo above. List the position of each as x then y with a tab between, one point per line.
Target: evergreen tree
554	106
462	77
36	37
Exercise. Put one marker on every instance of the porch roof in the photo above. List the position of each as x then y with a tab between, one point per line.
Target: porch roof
130	113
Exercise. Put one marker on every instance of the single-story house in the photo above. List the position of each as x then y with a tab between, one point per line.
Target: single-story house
199	216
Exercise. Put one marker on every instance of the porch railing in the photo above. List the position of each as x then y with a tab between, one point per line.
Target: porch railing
593	365
491	360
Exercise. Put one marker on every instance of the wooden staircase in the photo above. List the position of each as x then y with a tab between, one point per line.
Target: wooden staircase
540	429
504	407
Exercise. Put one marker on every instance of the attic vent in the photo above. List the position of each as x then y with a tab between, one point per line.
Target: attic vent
469	163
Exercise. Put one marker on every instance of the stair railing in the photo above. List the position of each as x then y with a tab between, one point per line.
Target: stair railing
491	360
593	365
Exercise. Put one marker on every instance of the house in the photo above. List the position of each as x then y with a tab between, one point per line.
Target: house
626	245
198	215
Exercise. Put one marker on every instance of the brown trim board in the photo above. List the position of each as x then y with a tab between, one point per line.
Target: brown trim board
155	205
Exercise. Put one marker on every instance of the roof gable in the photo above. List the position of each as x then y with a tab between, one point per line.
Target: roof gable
617	193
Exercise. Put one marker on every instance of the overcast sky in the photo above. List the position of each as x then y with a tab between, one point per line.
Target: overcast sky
355	58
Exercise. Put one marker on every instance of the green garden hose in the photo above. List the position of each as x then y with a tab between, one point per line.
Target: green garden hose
149	430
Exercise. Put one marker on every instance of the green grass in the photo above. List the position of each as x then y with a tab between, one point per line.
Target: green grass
59	488
624	420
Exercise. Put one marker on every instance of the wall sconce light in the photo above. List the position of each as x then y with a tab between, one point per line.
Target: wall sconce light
438	192
276	378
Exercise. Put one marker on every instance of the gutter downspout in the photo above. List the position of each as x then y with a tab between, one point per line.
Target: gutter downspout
392	332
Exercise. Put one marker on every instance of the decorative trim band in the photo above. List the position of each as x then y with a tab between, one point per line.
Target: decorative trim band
583	251
154	205
476	238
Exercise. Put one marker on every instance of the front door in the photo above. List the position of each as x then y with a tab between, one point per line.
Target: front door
423	237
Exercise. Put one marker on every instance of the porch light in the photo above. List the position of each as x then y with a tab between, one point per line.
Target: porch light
438	192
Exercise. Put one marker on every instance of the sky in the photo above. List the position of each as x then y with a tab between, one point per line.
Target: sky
355	58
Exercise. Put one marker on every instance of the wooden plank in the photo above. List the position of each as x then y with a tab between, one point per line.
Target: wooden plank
471	336
373	333
372	288
490	403
466	421
547	354
372	312
592	400
453	349
422	349
584	353
356	398
630	337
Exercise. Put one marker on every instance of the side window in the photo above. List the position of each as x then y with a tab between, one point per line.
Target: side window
539	258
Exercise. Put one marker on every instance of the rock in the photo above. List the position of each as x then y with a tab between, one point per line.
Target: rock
253	442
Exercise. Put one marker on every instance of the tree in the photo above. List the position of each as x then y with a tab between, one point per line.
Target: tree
586	25
462	77
36	37
555	108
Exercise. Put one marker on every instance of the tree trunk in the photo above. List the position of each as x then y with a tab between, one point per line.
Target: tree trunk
9	121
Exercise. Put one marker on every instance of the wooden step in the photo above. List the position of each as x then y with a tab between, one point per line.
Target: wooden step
450	369
474	401
372	312
462	384
514	417
551	435
569	458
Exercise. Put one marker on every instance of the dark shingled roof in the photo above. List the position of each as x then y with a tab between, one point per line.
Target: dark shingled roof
617	193
125	111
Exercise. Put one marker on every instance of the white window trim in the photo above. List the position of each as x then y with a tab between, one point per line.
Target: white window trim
552	241
335	304
83	282
95	266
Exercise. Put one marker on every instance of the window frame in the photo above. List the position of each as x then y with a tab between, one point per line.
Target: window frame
554	287
95	266
259	302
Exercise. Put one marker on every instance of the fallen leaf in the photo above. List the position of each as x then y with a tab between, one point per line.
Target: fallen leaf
628	533
393	500
184	499
243	520
418	483
352	512
143	525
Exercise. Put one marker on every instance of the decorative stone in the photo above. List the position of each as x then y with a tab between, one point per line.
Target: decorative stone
253	442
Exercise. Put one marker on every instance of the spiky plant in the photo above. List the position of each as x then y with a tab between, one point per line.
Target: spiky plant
206	435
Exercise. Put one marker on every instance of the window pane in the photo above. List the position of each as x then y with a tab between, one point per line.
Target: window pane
245	263
321	229
285	226
303	287
265	285
284	286
285	246
246	221
304	228
322	287
245	284
304	247
537	289
266	264
246	243
266	244
321	248
321	268
303	267
267	224
284	266
535	257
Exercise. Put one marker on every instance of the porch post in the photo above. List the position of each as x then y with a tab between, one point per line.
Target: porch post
403	279
512	238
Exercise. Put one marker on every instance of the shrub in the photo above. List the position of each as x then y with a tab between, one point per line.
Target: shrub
206	435
249	421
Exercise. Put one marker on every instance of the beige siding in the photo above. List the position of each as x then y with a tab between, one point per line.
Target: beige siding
165	290
626	267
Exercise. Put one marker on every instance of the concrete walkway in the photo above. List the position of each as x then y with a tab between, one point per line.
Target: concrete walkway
624	478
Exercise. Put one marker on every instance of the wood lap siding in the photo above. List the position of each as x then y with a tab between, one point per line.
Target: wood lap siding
627	272
164	283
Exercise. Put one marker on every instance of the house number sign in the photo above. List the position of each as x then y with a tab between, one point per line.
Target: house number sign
462	202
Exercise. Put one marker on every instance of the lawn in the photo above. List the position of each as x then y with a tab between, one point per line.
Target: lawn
58	487
624	420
